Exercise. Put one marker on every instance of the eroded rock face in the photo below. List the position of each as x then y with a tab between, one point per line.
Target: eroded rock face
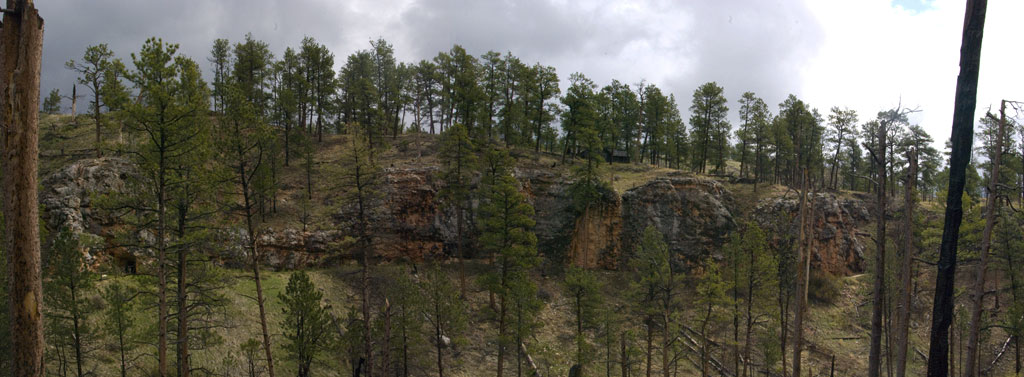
67	194
407	218
288	248
694	214
409	221
596	240
837	248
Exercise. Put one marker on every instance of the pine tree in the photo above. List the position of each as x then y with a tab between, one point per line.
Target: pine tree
68	284
318	63
543	87
220	57
711	295
170	116
458	157
245	143
584	291
252	71
842	123
506	223
306	322
750	273
115	95
578	120
656	288
360	179
445	313
119	322
52	103
92	68
409	302
707	122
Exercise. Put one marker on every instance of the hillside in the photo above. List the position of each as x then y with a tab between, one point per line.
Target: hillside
413	230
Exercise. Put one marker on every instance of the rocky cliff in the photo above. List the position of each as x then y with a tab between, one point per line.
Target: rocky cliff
837	247
410	222
694	214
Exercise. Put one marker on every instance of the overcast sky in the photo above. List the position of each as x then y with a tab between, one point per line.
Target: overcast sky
863	54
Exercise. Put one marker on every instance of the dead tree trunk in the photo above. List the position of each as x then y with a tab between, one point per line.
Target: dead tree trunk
878	291
801	280
978	294
962	138
21	46
74	100
903	318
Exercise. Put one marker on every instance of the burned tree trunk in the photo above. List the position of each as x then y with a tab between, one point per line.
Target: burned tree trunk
962	138
20	54
903	317
971	365
878	291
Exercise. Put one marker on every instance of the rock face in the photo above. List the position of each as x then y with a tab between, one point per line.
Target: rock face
694	214
596	240
67	194
837	249
284	249
67	198
407	218
410	222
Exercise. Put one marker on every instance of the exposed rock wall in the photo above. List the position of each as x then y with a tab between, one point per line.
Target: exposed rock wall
597	237
837	248
410	222
67	195
694	214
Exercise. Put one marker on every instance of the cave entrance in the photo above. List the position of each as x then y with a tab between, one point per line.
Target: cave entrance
128	264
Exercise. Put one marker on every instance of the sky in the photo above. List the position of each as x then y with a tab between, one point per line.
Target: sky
867	55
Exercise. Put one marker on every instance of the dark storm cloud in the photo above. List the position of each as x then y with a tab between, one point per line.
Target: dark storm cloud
743	45
756	46
72	25
531	29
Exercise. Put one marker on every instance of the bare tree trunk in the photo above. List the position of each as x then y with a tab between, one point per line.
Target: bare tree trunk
385	363
650	342
501	337
96	118
21	46
624	356
74	100
978	292
801	282
903	318
878	290
962	137
182	296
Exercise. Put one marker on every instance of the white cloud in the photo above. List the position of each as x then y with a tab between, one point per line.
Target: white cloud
876	54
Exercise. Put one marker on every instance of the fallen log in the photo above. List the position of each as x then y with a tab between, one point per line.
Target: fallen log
529	360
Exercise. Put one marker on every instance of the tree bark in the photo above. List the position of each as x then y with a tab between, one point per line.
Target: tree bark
903	318
878	290
972	365
962	138
21	45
